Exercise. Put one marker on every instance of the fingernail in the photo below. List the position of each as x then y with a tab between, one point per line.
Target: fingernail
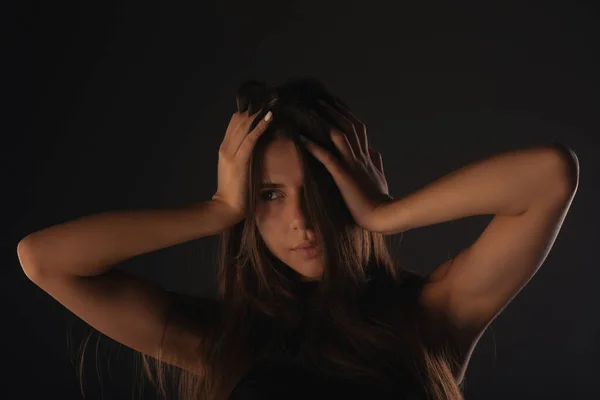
268	116
303	138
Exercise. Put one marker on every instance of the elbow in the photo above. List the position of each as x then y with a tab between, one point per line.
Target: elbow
26	257
567	167
23	252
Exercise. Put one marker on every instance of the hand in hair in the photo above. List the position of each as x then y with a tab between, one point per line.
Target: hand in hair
234	159
359	176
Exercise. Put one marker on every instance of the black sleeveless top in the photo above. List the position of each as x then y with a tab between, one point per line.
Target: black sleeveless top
286	381
281	378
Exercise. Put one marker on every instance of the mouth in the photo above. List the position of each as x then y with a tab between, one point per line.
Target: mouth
305	244
307	251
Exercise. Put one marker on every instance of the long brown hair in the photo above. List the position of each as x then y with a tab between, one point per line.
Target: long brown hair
362	320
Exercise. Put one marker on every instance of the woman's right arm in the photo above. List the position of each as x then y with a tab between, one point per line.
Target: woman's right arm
73	261
93	244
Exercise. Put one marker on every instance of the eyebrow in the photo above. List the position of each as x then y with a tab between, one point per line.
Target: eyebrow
270	185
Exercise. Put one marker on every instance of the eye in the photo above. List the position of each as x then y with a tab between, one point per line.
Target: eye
264	195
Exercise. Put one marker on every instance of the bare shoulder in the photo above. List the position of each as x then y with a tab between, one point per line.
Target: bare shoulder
432	301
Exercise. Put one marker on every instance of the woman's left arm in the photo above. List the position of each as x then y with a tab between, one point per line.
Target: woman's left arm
530	192
506	184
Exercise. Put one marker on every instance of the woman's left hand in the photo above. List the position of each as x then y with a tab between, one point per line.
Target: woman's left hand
359	176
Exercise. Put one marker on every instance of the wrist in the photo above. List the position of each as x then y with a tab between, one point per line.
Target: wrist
225	213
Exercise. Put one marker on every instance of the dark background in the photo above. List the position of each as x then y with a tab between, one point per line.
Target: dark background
123	106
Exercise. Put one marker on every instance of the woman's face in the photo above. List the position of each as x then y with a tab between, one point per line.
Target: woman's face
280	212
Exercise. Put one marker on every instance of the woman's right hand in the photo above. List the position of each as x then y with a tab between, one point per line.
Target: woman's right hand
234	159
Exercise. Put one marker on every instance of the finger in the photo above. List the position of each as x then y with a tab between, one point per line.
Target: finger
377	159
240	130
232	127
346	126
247	145
242	103
340	140
348	186
323	156
360	128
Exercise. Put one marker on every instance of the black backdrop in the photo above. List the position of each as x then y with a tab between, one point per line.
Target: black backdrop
123	106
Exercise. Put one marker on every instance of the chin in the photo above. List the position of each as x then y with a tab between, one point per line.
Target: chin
311	275
304	272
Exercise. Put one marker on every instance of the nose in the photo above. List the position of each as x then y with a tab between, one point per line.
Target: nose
298	212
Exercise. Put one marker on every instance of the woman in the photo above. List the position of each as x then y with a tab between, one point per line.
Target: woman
309	301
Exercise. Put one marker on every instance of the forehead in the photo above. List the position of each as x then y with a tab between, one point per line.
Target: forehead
282	164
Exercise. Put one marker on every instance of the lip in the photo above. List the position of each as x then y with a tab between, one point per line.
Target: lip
307	253
305	245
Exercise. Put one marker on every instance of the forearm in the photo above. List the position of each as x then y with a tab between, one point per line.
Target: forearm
92	244
508	183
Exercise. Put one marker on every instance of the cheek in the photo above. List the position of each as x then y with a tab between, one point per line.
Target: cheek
267	224
267	217
272	232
